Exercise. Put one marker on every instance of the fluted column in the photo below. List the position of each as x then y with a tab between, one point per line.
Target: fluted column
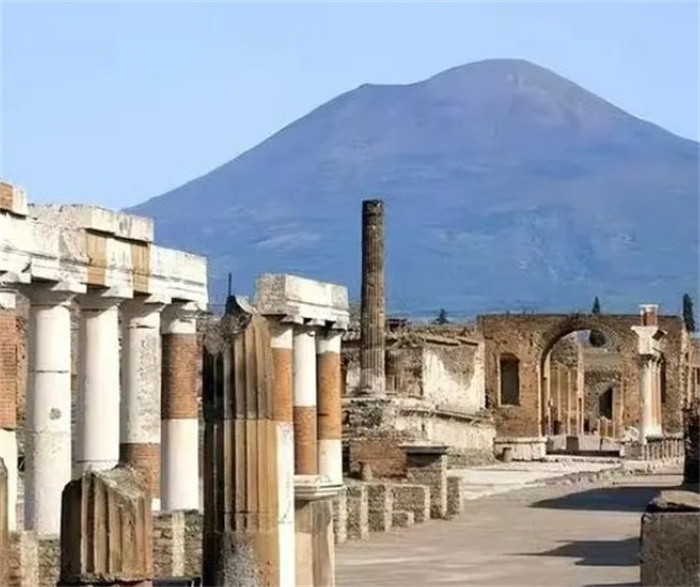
141	391
330	434
373	311
48	426
97	446
179	409
305	419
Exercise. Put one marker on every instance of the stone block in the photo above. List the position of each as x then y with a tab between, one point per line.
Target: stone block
402	519
455	505
315	549
524	448
358	512
106	529
193	543
380	505
428	466
413	498
340	517
177	545
670	544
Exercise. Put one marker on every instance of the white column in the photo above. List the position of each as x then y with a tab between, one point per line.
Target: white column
97	446
330	444
139	435
305	419
282	345
48	437
8	421
645	387
179	410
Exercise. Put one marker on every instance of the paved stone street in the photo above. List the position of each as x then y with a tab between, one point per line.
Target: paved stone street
570	535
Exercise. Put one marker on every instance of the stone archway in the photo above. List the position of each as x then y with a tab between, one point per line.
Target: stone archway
529	338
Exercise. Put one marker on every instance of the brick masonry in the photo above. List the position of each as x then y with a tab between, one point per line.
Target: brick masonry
530	337
8	368
180	376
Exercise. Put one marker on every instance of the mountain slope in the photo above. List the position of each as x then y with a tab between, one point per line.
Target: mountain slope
506	186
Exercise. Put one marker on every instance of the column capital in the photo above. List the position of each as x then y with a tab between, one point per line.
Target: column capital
142	308
329	341
56	294
180	318
98	301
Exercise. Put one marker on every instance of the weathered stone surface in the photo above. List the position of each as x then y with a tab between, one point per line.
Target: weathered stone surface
340	516
372	374
315	552
380	502
670	544
358	512
455	506
402	519
691	466
241	512
412	498
428	466
106	529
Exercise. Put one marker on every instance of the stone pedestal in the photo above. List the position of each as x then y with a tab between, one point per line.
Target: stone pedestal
106	530
670	540
315	558
241	510
427	465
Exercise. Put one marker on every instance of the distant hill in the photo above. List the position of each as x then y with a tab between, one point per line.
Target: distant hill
506	187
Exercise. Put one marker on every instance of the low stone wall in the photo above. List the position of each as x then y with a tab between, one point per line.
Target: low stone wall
520	448
670	544
412	498
34	561
669	447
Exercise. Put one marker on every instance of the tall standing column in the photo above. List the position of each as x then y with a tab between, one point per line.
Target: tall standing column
305	419
141	391
9	338
645	383
97	446
179	409
330	457
373	318
48	426
282	341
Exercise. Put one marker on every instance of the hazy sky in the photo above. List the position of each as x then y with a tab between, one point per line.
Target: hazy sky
114	103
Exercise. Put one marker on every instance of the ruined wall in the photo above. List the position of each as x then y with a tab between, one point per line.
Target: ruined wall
530	337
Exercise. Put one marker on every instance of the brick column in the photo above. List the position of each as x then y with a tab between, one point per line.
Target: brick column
97	446
372	376
8	399
141	391
283	412
48	427
305	419
179	409
330	434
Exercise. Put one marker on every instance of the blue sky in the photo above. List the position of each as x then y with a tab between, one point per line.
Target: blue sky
114	103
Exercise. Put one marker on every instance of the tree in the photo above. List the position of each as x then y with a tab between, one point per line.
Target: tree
442	317
596	338
688	313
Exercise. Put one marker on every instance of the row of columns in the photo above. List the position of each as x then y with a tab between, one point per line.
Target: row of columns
650	384
307	411
128	411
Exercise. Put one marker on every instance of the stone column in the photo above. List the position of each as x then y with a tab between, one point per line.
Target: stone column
330	433
305	419
8	399
372	376
282	341
107	530
141	391
646	397
179	409
48	426
241	513
4	526
97	446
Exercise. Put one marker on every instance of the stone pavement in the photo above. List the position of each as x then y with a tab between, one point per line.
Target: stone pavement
584	534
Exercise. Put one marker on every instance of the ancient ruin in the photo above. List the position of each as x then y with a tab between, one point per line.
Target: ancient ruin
146	441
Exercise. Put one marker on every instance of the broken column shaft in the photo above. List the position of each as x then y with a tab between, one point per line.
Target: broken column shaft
241	513
373	312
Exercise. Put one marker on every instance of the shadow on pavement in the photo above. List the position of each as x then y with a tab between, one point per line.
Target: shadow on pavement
637	584
598	553
620	498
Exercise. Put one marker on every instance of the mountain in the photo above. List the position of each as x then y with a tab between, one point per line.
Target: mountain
506	186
